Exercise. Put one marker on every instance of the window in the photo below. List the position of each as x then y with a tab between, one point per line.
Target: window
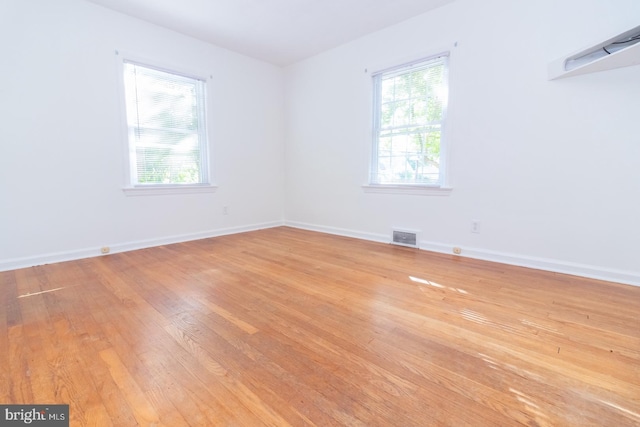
410	103
166	127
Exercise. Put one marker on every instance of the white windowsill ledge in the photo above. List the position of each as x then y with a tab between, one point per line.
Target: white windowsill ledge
158	190
418	190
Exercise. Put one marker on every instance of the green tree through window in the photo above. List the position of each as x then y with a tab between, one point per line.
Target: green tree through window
409	113
166	126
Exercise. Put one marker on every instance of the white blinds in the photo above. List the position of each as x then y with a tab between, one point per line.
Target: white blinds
410	104
166	126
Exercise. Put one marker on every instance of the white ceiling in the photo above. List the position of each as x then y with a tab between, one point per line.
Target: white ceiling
277	31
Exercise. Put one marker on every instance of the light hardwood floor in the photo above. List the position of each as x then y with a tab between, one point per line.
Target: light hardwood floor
289	327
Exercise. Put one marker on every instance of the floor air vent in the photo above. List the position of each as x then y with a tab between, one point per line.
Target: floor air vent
405	238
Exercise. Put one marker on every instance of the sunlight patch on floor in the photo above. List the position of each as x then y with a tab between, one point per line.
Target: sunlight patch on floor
635	415
436	285
41	292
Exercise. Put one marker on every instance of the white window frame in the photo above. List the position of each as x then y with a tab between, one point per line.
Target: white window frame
132	189
441	188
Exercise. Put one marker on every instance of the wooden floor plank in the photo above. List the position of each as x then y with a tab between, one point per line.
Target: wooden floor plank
290	327
144	413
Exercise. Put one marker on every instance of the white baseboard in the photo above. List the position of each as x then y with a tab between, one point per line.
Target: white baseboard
16	263
556	266
381	238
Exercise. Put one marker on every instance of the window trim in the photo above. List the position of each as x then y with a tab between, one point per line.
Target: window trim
411	189
164	189
442	188
129	189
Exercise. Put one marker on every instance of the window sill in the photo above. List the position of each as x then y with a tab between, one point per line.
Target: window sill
417	190
158	190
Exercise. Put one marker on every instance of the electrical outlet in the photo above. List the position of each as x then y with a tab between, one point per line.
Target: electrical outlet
475	226
105	250
457	250
225	210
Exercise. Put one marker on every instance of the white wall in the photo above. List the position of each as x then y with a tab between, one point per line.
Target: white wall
550	168
61	151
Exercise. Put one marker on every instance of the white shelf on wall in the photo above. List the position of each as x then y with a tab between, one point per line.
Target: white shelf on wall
594	58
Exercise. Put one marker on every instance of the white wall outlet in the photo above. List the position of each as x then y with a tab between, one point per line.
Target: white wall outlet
225	210
475	226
